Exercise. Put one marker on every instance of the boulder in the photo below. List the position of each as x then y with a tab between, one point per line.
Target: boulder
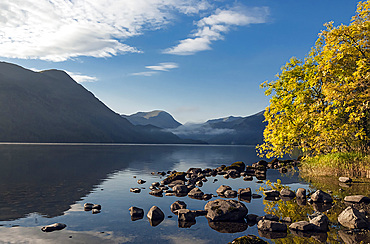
141	181
53	227
320	196
248	178
157	193
287	193
352	218
136	213
88	206
95	211
176	182
357	199
186	215
272	193
251	218
177	205
302	226
135	190
225	210
245	192
301	193
155	216
269	225
180	189
196	193
249	239
239	166
174	176
207	196
222	189
345	179
230	194
271	217
320	220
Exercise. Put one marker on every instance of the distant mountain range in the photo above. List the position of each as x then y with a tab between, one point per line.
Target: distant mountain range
156	118
228	131
49	106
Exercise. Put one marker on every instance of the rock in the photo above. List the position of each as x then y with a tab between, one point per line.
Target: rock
249	239
245	192
301	193
53	227
345	179
225	210
230	194
222	189
200	212
95	211
320	196
174	176
255	196
141	181
157	193
155	216
357	199
352	218
239	166
287	193
287	219
248	178
302	226
186	215
194	171
177	205
271	217
135	190
96	206
228	227
196	193
207	196
269	225
199	183
136	213
251	218
233	173
176	182
320	220
180	189
88	206
272	193
155	184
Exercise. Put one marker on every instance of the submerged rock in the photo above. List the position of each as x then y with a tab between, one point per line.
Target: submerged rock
53	227
155	216
302	226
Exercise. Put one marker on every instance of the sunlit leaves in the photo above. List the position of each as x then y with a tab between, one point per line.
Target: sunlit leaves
321	104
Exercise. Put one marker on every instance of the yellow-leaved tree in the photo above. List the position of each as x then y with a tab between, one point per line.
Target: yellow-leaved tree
322	104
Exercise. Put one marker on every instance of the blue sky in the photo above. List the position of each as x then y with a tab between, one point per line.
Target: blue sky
196	59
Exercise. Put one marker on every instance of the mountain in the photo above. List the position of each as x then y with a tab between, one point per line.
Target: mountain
49	106
227	131
157	118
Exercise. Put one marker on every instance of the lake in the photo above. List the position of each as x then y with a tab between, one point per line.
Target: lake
45	184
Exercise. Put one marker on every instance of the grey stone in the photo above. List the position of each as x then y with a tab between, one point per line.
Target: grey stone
177	205
320	196
135	190
357	199
269	225
136	213
352	218
272	193
271	217
320	220
302	226
186	215
53	227
301	193
345	179
287	193
225	210
180	189
221	190
196	193
155	216
141	181
230	194
245	192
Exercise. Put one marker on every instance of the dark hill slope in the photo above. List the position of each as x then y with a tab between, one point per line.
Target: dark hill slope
50	106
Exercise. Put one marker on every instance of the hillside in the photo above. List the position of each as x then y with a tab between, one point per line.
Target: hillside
49	106
157	118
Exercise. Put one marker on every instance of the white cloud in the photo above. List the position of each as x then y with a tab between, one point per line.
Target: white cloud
80	78
58	30
214	27
156	68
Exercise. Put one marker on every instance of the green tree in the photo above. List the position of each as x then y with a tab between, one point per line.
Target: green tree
322	104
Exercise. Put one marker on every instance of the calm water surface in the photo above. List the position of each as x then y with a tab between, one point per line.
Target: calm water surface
45	184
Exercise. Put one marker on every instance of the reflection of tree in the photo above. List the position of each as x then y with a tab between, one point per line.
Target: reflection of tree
298	212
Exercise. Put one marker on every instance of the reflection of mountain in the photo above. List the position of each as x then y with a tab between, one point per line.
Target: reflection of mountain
230	130
49	106
157	118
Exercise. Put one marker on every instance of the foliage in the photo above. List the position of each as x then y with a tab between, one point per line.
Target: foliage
341	163
322	104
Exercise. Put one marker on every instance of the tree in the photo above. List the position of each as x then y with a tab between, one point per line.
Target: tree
322	104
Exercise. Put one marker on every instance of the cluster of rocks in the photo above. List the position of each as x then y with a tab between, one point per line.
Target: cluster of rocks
94	208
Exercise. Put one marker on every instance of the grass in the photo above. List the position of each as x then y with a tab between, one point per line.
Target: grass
344	163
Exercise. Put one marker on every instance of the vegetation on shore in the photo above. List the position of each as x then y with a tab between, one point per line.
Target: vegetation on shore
321	104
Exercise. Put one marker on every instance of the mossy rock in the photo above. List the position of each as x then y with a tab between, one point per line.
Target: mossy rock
249	239
175	176
239	166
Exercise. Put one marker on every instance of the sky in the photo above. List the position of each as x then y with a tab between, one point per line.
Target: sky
196	59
